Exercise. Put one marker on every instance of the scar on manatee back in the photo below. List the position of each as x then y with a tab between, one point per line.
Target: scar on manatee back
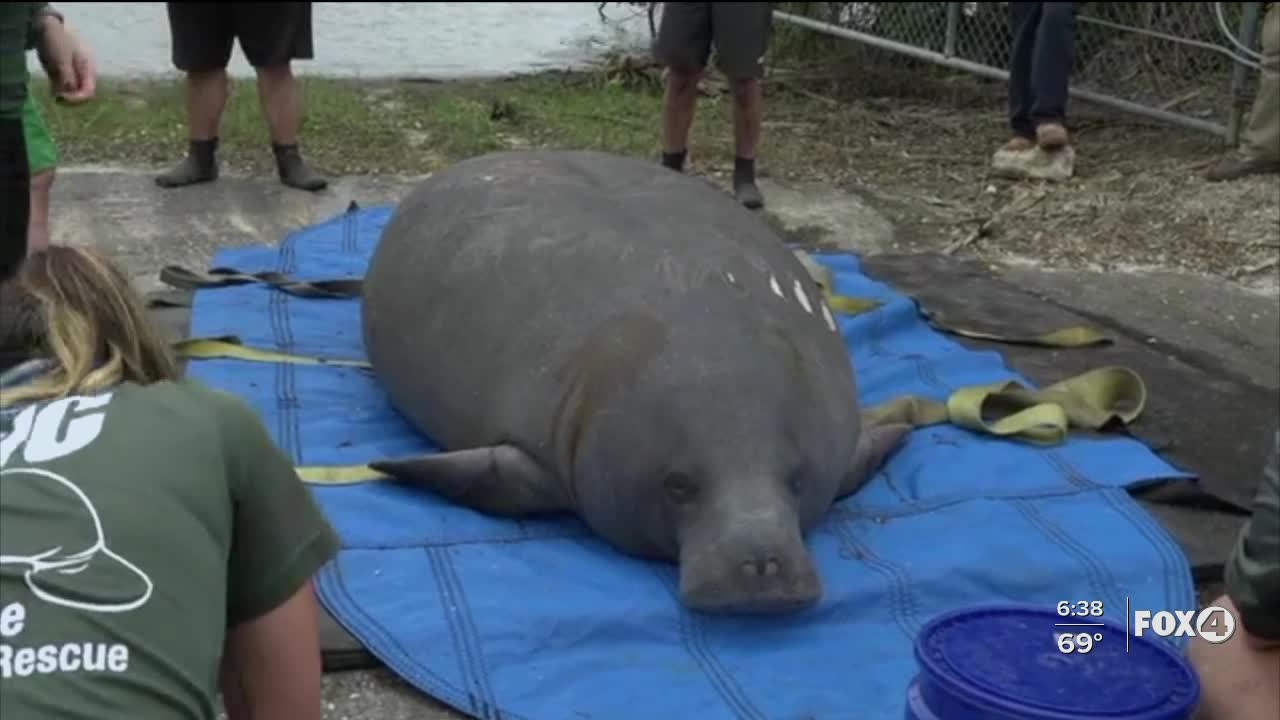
613	355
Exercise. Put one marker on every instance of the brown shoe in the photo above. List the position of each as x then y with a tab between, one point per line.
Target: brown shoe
1238	166
1051	136
1018	144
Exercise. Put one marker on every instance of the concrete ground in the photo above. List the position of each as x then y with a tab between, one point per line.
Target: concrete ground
122	211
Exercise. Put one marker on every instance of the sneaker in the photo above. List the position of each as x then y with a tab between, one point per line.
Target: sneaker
1051	136
1017	144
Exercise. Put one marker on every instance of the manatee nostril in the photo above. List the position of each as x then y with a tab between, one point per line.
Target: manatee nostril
762	567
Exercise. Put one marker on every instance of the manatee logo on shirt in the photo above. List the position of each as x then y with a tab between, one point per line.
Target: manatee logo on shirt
53	531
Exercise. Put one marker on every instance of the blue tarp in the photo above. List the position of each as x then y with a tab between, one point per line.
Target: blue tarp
538	619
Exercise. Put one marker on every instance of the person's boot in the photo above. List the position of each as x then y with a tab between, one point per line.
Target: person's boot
674	160
744	184
1240	166
296	172
199	166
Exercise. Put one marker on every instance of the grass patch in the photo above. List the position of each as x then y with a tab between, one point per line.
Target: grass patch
359	127
356	127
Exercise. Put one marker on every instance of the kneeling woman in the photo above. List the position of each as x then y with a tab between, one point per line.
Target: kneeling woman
155	545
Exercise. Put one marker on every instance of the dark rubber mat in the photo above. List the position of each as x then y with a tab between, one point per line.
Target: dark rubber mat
1201	416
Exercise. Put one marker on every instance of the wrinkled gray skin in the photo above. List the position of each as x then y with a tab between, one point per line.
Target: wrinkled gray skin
599	335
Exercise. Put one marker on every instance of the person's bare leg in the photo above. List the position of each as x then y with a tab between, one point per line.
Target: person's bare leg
278	94
1237	680
679	105
748	109
207	93
38	235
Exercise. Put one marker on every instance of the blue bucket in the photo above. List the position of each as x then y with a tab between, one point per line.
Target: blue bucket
1003	662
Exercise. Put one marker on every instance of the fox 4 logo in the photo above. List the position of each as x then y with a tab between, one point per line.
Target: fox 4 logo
1214	624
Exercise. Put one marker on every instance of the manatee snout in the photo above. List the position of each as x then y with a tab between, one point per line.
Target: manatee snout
753	563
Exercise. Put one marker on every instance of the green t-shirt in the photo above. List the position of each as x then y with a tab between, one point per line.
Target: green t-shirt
135	527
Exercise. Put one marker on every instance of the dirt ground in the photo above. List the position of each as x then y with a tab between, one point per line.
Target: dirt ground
915	142
920	151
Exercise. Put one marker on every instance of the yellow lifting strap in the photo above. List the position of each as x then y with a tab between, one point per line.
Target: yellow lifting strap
1008	410
338	474
186	279
1091	400
230	347
1069	337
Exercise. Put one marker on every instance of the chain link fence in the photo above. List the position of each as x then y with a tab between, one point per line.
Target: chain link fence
1189	64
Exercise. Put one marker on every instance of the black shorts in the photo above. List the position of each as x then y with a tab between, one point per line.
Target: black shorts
15	196
740	31
270	33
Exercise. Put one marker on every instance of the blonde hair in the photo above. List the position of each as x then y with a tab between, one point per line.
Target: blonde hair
72	306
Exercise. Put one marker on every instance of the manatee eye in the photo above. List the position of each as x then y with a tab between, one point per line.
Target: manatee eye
795	480
680	488
794	485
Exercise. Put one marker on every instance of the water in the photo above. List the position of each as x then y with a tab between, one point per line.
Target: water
435	39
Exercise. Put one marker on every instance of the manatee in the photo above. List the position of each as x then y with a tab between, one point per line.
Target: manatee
585	333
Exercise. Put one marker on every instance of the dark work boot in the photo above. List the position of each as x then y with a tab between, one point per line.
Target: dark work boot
675	160
200	166
1240	166
294	171
744	184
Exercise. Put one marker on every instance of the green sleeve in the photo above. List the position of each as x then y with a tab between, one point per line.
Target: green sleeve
1253	571
280	537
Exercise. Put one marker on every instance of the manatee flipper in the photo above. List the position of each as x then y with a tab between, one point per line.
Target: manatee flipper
874	446
499	480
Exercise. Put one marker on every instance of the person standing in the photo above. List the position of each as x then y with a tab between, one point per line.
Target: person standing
740	32
1039	75
1259	151
272	35
26	26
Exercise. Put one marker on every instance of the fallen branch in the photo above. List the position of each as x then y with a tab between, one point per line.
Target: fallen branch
943	158
984	229
1254	269
808	93
1181	99
1247	243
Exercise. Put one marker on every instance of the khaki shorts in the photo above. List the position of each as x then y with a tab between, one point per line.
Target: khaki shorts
42	153
739	30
